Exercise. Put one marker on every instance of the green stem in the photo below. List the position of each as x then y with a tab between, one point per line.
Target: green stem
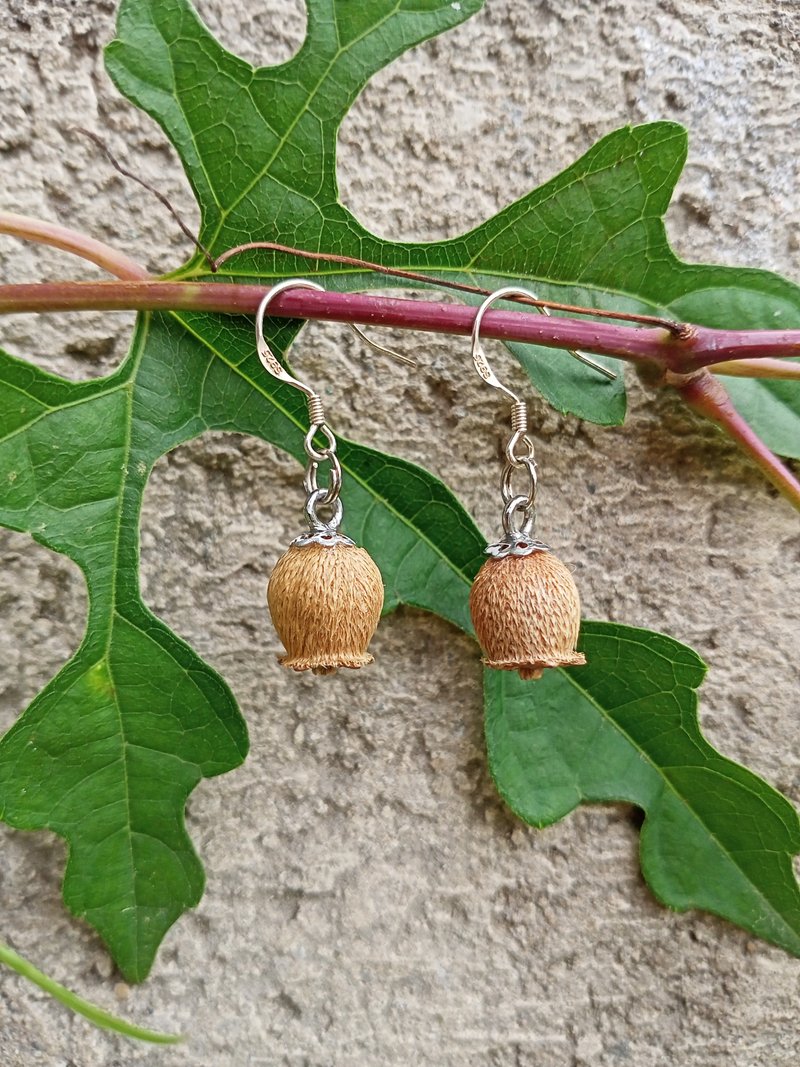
90	1011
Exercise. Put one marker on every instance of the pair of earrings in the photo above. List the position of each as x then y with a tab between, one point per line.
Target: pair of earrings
325	594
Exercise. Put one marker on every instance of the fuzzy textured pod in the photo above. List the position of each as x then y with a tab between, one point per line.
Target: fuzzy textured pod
526	612
325	602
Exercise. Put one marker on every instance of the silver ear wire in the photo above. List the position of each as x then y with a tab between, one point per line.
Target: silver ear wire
269	361
266	355
381	348
479	356
316	496
519	509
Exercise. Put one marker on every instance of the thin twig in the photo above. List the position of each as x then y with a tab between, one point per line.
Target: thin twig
675	328
427	279
151	189
214	264
759	368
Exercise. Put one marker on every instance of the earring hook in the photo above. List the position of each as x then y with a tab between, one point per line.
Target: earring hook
268	359
267	356
316	496
479	355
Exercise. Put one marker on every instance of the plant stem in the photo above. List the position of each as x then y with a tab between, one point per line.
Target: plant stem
150	188
430	280
760	368
684	358
90	1011
705	394
50	233
697	347
677	347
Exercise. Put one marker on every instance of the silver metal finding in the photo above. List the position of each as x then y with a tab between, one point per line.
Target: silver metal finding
528	464
268	359
333	488
479	356
519	508
512	528
315	523
315	496
267	356
320	531
319	454
384	351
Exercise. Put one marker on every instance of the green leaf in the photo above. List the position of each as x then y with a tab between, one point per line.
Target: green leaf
771	406
278	181
624	727
593	235
108	753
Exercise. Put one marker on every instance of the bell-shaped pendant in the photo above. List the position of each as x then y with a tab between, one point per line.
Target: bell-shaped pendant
525	608
325	596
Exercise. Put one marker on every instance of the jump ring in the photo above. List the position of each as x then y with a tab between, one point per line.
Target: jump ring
334	486
506	487
518	503
314	501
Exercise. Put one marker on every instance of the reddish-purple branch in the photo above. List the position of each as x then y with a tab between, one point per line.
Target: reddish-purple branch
681	351
698	347
705	394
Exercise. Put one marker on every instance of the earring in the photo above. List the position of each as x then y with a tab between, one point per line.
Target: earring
524	603
325	593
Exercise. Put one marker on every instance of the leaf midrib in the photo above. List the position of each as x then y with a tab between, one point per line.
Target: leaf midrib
142	331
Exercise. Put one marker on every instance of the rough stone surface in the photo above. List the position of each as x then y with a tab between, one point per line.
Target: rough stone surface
370	900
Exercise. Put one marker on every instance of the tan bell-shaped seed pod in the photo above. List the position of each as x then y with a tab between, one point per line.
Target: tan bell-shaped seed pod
325	602
527	613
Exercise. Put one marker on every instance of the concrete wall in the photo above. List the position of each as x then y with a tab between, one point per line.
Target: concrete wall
370	900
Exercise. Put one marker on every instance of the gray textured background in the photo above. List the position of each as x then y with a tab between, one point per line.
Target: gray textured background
370	900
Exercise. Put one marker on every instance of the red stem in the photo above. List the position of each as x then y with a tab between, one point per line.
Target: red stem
677	348
699	347
705	394
683	357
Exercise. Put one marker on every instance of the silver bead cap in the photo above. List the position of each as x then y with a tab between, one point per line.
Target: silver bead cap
322	535
515	544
